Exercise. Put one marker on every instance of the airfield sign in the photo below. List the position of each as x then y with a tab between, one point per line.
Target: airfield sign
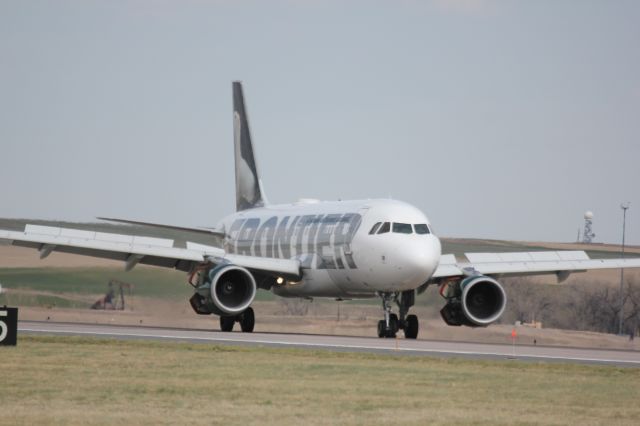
8	326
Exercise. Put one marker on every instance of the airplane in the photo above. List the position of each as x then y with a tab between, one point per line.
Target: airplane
318	249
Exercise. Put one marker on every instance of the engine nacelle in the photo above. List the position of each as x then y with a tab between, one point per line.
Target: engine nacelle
475	301
227	290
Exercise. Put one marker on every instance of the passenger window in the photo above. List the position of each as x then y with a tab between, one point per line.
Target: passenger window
422	228
375	228
386	227
402	228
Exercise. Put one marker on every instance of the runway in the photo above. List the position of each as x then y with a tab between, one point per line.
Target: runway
397	346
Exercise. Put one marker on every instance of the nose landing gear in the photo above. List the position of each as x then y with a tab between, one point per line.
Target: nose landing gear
389	326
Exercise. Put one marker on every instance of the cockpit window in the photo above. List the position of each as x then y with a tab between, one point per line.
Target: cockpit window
375	228
422	228
402	228
386	227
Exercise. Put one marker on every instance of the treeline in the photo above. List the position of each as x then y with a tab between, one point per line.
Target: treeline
587	305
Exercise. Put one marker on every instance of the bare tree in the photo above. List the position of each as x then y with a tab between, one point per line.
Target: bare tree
587	305
632	307
596	307
527	301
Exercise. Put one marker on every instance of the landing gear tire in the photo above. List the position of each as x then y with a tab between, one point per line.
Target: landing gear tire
391	331
389	326
412	327
226	323
393	325
393	322
408	323
247	320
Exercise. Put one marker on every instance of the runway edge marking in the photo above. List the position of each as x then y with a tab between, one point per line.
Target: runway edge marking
329	345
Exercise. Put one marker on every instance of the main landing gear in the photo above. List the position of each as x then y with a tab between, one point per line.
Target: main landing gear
389	326
247	321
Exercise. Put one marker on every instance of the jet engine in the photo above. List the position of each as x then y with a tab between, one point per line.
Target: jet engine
475	301
226	290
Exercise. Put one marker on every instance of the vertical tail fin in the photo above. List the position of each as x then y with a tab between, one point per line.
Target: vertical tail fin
248	185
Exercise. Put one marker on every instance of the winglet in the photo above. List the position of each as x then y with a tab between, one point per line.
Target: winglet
249	192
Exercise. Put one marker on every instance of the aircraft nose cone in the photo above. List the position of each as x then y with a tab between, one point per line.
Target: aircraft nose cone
423	256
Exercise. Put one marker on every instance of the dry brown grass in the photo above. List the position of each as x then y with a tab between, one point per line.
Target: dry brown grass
56	380
21	257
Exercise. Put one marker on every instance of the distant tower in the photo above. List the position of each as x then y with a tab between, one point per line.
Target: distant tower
587	235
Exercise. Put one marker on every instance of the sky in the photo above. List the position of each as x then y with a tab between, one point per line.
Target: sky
498	119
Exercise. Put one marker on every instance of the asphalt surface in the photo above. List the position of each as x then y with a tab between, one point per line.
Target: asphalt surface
397	346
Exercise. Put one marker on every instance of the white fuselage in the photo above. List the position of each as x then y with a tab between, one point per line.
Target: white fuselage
339	255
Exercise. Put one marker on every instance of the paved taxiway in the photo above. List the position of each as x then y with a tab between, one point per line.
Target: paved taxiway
344	343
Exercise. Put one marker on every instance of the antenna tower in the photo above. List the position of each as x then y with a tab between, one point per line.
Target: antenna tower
587	234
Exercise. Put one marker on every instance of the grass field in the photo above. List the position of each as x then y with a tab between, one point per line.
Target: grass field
62	286
155	282
64	380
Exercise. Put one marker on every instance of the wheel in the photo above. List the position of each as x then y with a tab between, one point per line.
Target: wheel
247	320
393	325
381	328
412	327
226	323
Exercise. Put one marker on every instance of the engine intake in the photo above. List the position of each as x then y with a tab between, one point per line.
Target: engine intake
227	290
233	289
475	301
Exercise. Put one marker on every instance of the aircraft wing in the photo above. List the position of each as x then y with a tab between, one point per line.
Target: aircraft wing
560	263
133	250
208	231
